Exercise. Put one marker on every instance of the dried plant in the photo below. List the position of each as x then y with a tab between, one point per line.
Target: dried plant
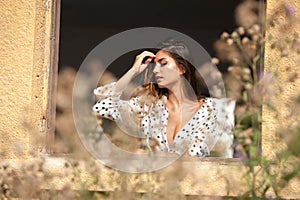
253	87
242	52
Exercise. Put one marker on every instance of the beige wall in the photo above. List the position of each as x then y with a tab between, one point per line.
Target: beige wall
282	69
25	41
24	61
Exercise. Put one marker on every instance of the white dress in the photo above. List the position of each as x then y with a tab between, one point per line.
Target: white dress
209	130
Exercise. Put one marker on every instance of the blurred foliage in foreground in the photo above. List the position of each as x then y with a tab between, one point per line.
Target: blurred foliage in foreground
253	87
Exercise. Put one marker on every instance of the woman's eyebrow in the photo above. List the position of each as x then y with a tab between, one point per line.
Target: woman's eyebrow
161	59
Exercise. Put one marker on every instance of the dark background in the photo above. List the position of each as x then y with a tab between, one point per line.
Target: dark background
86	23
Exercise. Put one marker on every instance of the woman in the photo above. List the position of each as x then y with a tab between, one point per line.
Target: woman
170	109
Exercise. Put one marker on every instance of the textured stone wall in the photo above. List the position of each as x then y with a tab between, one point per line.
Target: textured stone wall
24	61
284	66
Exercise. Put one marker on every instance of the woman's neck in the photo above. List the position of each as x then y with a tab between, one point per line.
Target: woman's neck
177	93
175	98
178	97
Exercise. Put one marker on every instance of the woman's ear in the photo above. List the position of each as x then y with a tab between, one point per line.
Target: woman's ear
182	71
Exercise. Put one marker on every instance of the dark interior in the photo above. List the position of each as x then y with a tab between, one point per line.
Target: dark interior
85	24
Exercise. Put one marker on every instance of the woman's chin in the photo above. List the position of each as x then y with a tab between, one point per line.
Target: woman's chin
161	86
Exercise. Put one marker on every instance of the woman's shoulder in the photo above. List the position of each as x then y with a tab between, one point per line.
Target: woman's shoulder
224	110
223	107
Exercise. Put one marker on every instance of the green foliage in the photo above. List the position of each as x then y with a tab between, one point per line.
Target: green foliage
244	56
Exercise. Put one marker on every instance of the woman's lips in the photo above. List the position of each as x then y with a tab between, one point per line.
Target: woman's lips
158	78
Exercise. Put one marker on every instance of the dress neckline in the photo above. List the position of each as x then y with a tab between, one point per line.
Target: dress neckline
188	123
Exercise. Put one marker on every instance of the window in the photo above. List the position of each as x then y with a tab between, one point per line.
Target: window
80	33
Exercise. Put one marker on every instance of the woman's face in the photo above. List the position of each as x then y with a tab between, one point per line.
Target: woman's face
166	71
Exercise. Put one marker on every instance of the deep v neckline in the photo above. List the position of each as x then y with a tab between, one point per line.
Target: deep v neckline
188	122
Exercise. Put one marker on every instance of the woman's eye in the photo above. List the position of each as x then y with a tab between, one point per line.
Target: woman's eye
162	64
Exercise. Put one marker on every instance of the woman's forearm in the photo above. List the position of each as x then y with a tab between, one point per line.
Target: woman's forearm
125	80
141	62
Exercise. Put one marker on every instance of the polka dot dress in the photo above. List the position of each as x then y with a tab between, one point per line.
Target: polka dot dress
198	136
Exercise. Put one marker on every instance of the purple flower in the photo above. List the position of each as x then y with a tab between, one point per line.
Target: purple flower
290	11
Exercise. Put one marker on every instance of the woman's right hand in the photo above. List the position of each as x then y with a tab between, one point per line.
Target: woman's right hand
141	61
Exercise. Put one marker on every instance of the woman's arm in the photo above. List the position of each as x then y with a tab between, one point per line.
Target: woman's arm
139	66
109	104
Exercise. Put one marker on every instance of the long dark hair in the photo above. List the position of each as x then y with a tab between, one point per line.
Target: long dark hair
181	54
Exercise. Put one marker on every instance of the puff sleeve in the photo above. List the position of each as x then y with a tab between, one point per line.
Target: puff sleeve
214	133
127	113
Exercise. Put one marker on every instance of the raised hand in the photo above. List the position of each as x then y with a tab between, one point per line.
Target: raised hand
141	62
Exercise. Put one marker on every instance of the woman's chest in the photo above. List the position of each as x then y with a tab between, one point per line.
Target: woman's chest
169	128
179	117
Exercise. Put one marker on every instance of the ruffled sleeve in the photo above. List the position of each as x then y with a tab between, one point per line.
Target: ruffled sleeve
127	113
225	122
214	133
108	100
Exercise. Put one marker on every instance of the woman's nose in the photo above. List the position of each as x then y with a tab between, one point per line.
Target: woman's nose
156	69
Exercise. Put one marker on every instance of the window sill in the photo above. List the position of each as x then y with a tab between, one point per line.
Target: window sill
193	176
